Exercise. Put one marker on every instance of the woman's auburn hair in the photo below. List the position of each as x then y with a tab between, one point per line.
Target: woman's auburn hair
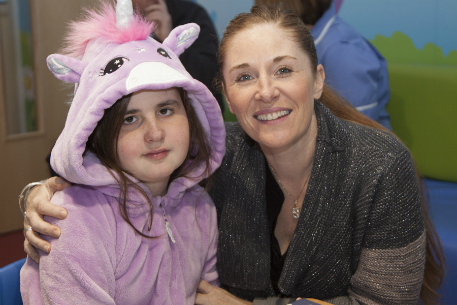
310	11
104	139
290	22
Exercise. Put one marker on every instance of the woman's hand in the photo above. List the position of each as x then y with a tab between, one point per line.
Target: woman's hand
210	295
38	204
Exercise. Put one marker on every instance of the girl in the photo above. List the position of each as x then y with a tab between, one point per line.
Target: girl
139	136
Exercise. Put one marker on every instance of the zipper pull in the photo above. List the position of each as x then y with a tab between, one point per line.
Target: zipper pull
167	226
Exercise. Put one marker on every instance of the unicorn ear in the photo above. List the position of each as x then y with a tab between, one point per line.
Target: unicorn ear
182	37
66	68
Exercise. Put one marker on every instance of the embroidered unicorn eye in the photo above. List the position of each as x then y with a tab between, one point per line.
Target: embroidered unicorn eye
163	53
113	65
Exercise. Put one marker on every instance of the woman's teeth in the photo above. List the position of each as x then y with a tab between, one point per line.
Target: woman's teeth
273	116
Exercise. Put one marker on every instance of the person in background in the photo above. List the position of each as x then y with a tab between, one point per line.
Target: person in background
353	66
200	60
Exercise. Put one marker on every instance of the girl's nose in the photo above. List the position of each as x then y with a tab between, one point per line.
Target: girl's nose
153	132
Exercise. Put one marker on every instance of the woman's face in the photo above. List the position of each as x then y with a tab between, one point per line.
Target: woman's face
270	86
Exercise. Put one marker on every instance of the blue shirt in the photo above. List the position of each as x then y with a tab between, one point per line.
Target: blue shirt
353	66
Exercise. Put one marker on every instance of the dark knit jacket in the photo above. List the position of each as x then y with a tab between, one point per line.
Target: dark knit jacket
360	235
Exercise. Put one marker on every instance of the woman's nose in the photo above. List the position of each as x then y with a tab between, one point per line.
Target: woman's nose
153	132
267	91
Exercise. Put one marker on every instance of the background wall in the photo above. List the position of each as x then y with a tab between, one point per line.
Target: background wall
419	40
22	157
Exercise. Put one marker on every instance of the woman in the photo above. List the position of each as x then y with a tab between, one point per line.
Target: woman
353	66
360	234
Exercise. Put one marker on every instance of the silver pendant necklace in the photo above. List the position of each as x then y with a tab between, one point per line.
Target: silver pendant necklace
295	209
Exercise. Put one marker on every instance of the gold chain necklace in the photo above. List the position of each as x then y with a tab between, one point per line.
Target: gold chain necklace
295	209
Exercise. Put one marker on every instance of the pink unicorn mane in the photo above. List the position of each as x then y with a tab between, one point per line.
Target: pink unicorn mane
101	24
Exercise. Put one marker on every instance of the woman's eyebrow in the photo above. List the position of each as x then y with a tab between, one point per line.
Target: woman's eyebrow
280	58
275	60
245	65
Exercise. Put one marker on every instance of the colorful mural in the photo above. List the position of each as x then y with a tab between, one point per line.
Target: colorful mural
419	40
423	21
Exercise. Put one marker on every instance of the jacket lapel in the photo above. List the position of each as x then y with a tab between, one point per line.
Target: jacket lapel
244	260
319	202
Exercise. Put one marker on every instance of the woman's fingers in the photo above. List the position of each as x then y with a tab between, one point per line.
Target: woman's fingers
57	184
34	240
42	206
31	252
204	287
35	221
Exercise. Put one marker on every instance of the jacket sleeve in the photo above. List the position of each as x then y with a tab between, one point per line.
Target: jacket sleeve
80	267
391	265
209	272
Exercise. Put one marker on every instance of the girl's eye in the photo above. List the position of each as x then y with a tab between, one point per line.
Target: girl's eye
165	111
130	120
243	77
284	70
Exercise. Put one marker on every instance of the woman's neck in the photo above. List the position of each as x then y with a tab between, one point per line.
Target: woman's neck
294	162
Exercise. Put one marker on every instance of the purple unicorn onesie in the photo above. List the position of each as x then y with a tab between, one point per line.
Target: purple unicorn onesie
99	258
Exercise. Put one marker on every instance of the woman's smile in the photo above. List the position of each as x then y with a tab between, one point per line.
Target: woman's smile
271	114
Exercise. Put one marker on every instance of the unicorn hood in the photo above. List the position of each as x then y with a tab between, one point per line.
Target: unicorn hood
112	59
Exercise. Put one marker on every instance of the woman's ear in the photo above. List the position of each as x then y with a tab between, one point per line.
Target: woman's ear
319	82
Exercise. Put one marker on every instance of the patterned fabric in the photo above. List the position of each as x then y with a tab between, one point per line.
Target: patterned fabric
363	198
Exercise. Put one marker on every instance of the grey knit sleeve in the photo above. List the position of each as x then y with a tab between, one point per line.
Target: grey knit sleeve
391	264
390	276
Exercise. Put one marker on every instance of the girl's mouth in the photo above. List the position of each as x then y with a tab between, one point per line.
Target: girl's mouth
157	155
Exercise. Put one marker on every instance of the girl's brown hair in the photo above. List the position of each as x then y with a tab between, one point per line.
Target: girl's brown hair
288	21
103	142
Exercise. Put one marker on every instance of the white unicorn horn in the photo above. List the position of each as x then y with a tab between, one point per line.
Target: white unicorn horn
124	13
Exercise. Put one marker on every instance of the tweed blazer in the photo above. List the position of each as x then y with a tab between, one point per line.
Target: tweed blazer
360	235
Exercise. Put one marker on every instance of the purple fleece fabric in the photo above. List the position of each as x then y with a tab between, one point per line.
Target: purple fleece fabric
99	258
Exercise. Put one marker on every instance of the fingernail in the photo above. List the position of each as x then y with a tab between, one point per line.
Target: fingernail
59	180
63	213
47	249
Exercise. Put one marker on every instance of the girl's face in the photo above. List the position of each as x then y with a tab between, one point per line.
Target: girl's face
270	86
154	137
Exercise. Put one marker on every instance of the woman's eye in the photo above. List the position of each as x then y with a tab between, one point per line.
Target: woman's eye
243	77
130	120
165	111
284	70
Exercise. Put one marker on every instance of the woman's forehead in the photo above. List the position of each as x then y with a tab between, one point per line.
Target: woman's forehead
262	34
262	39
